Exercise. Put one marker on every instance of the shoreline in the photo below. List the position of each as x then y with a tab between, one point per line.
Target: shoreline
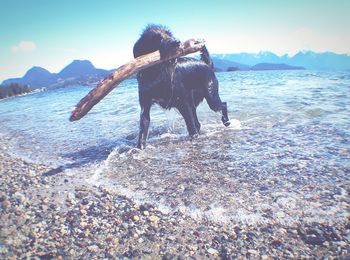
62	216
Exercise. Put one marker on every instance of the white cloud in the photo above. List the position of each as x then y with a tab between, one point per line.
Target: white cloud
24	46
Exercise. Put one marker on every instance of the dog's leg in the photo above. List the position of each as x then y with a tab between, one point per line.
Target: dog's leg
186	111
196	121
185	104
216	105
224	117
144	123
214	101
194	113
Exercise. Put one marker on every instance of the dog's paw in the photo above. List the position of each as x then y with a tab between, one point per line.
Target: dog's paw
194	137
227	123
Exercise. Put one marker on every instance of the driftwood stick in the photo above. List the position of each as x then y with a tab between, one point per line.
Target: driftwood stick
125	71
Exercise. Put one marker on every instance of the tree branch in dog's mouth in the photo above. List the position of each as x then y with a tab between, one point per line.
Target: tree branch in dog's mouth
127	70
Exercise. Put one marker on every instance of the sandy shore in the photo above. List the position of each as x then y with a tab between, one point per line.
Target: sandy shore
62	216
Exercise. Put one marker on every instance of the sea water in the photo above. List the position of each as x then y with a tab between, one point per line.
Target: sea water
291	124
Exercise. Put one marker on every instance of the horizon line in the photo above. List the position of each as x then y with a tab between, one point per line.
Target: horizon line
214	53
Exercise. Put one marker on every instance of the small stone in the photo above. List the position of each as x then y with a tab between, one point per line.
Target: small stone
341	243
146	213
93	248
18	212
280	214
87	232
171	238
6	203
21	198
136	218
153	218
213	251
83	224
276	242
253	252
63	231
293	231
125	225
191	247
70	196
283	231
233	234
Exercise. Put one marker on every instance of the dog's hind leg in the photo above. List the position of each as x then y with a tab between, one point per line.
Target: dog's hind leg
214	101
224	118
144	123
216	105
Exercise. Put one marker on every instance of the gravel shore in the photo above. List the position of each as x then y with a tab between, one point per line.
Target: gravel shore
64	217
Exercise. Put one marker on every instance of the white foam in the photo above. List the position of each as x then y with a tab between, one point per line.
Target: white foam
235	124
96	177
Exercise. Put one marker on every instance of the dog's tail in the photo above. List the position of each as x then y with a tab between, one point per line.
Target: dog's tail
205	57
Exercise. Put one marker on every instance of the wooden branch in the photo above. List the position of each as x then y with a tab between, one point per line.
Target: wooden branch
125	71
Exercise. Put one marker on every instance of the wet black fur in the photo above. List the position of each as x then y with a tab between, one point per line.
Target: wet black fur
180	83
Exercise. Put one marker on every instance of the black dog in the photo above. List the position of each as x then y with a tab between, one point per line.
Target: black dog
181	83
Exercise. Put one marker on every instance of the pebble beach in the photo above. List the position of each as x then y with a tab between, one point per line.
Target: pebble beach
60	216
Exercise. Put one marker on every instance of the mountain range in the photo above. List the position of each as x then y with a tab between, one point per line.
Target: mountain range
83	72
307	59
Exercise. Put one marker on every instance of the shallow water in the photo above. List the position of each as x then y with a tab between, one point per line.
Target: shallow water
288	146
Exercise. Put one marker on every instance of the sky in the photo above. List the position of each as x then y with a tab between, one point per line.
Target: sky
51	34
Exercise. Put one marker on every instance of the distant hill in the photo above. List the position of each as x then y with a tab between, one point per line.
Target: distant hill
325	60
306	59
227	65
80	68
223	65
78	72
37	77
275	66
250	59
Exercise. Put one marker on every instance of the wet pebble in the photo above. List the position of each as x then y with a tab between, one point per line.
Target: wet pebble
153	219
213	251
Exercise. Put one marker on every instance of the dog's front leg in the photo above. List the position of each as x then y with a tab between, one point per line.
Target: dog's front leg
194	112
186	111
144	124
195	117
